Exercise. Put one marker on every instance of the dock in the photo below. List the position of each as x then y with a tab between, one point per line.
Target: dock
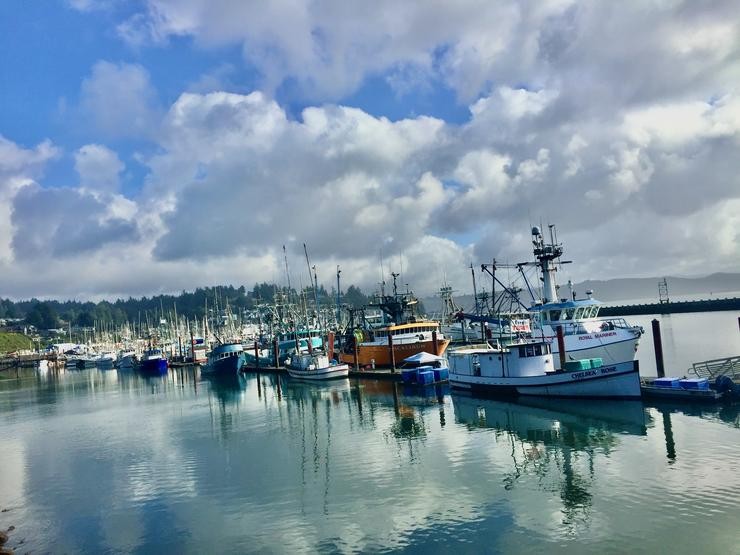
672	307
386	374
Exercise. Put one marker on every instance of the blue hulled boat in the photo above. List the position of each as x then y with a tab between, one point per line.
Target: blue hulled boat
153	361
226	358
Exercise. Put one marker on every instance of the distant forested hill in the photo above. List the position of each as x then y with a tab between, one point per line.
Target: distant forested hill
53	313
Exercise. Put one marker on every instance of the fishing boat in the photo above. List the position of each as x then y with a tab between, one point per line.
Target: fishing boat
105	360
288	343
585	334
404	335
374	347
126	359
225	358
153	361
315	366
197	351
527	368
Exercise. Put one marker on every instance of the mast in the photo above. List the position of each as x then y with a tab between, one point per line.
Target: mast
545	254
339	314
475	291
314	283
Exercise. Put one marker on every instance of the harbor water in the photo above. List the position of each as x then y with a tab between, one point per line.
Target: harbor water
106	462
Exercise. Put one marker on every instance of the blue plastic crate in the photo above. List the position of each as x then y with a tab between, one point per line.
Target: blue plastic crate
410	376
694	383
441	374
426	377
669	382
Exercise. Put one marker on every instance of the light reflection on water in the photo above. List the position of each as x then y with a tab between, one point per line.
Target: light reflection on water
103	461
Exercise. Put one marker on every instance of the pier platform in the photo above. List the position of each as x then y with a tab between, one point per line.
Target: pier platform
370	374
675	307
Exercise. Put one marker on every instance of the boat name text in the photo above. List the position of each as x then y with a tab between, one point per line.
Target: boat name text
597	335
594	372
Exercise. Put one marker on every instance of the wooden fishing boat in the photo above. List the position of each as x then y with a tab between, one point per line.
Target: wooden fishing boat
374	347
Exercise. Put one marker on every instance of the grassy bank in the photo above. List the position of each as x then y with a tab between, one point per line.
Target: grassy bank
10	342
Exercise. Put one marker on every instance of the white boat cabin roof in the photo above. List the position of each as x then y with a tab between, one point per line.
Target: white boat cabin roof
568	310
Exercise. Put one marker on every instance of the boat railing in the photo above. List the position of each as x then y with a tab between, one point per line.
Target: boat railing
714	368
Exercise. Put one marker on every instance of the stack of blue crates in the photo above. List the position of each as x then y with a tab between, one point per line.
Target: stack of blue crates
670	382
441	374
426	377
410	376
694	383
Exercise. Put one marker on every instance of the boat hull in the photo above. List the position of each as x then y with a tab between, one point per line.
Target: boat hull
379	354
617	381
127	362
332	372
154	366
230	365
611	350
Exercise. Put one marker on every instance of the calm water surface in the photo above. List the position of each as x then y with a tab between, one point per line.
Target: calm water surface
99	461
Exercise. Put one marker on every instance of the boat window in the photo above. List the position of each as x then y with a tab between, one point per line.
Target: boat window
568	314
595	312
554	315
522	354
530	350
537	350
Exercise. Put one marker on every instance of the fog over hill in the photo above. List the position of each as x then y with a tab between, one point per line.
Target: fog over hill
630	289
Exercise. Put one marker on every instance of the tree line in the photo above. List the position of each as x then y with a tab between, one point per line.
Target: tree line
191	305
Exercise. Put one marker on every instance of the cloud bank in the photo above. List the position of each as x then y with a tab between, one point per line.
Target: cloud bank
619	124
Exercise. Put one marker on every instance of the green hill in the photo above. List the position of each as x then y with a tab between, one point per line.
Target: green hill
10	342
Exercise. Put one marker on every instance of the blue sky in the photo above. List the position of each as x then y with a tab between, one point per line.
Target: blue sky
166	144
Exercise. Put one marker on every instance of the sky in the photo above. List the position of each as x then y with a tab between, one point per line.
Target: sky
156	146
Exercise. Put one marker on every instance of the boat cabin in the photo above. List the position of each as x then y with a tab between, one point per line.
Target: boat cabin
533	358
421	329
568	311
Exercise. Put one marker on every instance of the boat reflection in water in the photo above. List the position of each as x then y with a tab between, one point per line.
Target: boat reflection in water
557	440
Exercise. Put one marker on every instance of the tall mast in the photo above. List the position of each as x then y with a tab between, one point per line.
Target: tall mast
546	254
475	290
287	273
339	314
314	283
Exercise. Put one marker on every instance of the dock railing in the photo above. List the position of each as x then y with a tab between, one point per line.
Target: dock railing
711	369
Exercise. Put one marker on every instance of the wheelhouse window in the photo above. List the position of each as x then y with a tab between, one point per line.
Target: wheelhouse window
554	315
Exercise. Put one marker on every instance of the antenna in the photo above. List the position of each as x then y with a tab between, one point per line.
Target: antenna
382	272
287	273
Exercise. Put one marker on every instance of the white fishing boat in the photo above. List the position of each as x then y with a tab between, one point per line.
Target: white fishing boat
527	368
126	359
315	366
105	360
585	335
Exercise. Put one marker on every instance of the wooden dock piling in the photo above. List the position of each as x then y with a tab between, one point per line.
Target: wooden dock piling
658	344
561	347
392	354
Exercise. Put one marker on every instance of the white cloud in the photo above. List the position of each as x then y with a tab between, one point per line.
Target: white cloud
99	168
120	100
578	114
19	168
